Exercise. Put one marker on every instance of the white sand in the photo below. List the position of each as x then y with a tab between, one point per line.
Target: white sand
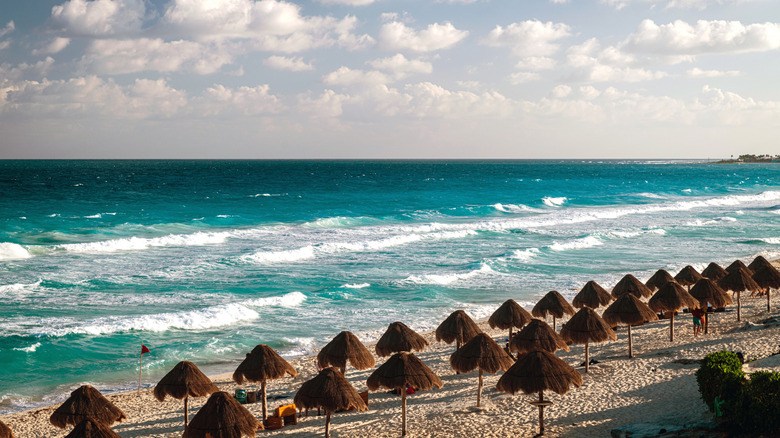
648	388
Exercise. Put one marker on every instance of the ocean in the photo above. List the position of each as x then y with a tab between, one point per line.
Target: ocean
203	260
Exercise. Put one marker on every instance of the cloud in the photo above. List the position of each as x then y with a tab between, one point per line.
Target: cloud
400	66
145	54
8	28
523	76
328	105
99	18
294	63
670	4
561	91
681	38
531	38
535	63
347	2
397	36
698	73
587	62
25	70
55	46
224	101
347	77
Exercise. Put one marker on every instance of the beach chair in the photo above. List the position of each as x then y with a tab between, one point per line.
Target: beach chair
287	412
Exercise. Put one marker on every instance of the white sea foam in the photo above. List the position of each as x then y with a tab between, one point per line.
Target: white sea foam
140	243
29	349
292	299
772	240
446	279
525	255
94	216
630	234
18	288
512	208
356	286
651	195
12	251
269	257
554	202
585	242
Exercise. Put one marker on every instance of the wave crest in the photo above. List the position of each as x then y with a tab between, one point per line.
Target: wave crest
13	251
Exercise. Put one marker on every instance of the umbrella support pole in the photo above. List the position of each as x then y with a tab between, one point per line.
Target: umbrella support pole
706	320
587	358
671	327
265	402
186	417
630	351
327	424
554	329
768	306
739	309
541	404
479	388
403	411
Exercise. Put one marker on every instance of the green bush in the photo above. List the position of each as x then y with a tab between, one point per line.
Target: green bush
720	375
756	408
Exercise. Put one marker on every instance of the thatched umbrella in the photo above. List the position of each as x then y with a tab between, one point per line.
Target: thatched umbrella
591	295
687	276
458	328
539	371
767	277
737	264
89	428
342	348
630	285
510	315
86	402
484	354
758	263
660	278
183	381
584	327
400	370
537	335
331	391
554	304
714	272
629	310
5	431
670	298
708	292
222	417
261	365
738	281
399	337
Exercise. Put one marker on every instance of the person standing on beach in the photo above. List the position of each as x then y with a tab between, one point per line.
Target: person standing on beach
697	316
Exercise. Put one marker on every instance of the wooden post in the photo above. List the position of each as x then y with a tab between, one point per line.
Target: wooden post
140	367
630	352
768	306
403	411
186	417
327	424
265	403
739	308
706	319
587	358
541	412
479	390
671	327
554	329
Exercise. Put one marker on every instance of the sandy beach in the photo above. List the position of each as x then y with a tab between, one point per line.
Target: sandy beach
657	387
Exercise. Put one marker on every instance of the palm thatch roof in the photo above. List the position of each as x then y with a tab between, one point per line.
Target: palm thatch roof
738	280
509	315
591	295
399	337
767	277
736	264
458	328
184	380
331	391
708	292
672	297
262	364
224	417
714	272
5	431
687	276
86	402
628	310
630	285
537	335
660	278
481	352
403	369
587	326
758	263
537	371
345	347
553	304
88	428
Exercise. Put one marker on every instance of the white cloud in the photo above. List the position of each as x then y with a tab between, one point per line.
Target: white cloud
588	63
400	66
531	38
5	44
224	101
397	36
589	92
346	77
698	73
535	63
669	4
144	54
347	2
681	38
294	63
523	76
99	18
55	46
8	28
329	104
25	70
561	91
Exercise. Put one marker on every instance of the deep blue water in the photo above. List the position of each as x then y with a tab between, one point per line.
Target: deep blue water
202	260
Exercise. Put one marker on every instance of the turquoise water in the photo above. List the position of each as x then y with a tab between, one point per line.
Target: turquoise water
202	260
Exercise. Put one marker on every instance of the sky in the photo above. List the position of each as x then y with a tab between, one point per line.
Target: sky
515	79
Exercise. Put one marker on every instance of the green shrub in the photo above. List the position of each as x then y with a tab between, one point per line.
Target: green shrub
720	375
756	409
